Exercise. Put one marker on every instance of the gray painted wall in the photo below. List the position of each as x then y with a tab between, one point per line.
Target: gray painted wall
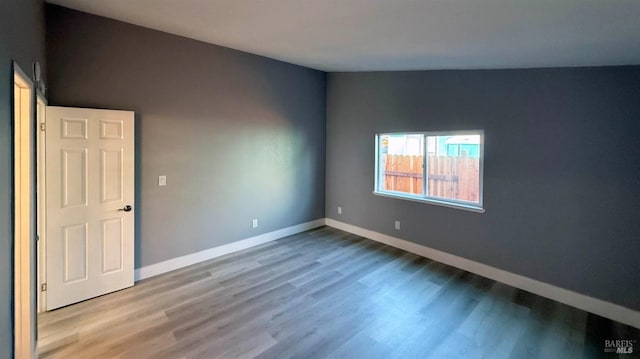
238	136
562	168
22	32
22	40
6	233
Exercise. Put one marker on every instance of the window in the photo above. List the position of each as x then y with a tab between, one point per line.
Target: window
442	168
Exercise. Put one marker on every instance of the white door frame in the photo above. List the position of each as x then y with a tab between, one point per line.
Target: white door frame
24	322
41	119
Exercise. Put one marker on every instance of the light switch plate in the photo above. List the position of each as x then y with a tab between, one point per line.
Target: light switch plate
162	180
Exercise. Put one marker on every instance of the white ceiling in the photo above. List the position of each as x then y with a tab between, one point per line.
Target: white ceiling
363	35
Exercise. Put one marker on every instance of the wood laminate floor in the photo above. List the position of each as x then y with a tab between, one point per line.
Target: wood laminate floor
325	293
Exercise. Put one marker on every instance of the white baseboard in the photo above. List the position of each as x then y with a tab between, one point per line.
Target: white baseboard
593	305
193	258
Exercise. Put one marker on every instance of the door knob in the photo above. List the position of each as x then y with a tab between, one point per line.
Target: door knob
126	208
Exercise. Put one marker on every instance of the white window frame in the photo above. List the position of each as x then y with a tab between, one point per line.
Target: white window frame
425	198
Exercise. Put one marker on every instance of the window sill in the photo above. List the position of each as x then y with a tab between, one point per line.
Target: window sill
436	202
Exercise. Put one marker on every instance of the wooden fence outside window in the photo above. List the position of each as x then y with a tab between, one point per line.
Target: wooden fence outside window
448	177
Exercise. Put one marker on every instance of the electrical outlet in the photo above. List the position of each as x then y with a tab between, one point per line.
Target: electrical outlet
397	225
339	209
255	223
162	180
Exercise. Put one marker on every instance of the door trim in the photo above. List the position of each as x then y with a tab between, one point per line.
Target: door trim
23	117
41	120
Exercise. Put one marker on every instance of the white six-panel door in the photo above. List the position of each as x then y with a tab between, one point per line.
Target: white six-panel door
89	201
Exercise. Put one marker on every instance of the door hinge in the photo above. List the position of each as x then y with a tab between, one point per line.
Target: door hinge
43	287
43	127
